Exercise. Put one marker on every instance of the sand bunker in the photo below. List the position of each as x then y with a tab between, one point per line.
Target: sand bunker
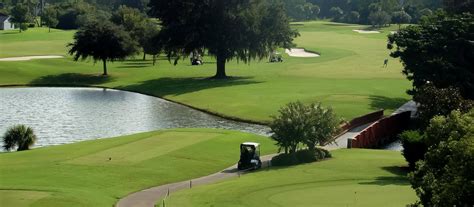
298	52
366	31
25	58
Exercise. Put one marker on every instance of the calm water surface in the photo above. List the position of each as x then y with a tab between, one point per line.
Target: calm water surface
66	115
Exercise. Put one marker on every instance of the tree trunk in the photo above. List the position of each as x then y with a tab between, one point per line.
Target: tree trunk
220	73
154	60
105	66
49	29
144	56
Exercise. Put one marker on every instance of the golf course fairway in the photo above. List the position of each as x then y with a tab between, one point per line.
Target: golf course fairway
99	172
351	178
348	75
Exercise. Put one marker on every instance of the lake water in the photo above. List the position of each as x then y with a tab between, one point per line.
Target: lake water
67	115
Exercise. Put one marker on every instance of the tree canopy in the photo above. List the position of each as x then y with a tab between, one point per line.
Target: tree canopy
434	101
444	177
243	30
400	17
301	10
20	15
50	17
439	51
310	125
102	41
459	6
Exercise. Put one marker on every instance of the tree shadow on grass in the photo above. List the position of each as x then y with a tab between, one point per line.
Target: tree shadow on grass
135	66
399	177
179	86
135	63
382	102
72	79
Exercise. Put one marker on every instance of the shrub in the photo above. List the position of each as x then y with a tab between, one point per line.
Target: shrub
306	156
298	123
300	156
23	26
323	153
284	160
19	136
414	147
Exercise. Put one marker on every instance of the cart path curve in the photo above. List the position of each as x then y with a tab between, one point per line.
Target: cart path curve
150	197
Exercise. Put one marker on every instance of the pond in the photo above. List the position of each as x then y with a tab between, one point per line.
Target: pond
67	115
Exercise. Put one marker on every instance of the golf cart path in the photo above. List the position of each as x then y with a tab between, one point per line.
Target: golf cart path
150	197
26	58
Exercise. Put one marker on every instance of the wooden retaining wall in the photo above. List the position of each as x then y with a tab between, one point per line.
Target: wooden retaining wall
381	132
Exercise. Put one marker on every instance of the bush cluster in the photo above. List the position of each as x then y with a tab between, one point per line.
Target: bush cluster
301	156
308	126
443	177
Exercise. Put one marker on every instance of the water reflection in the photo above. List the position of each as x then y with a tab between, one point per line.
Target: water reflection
66	115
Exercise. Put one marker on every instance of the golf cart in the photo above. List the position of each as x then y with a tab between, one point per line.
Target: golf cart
249	156
275	57
196	58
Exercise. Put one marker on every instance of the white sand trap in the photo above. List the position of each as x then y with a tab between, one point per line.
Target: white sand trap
25	58
298	52
366	31
393	32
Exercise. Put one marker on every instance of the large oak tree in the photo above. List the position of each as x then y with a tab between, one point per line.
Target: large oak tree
226	29
102	41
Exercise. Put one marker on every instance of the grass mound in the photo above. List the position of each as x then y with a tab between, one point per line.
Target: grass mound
351	178
97	173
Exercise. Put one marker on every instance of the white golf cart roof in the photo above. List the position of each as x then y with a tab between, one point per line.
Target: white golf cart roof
251	144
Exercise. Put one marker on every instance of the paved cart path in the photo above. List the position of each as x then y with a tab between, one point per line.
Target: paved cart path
149	197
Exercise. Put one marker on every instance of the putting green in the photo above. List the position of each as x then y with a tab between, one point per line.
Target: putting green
82	174
348	76
351	178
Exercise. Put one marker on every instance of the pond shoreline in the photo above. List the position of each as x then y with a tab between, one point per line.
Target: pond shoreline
231	118
61	114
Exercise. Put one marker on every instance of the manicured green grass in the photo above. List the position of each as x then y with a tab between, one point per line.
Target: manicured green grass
81	174
351	178
35	41
348	76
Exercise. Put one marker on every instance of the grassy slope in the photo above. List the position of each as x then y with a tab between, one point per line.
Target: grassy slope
81	174
348	76
351	178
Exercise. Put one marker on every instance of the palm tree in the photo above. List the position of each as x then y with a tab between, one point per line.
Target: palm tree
19	135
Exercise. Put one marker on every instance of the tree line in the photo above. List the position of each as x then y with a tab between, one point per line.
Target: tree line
373	12
438	58
71	13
